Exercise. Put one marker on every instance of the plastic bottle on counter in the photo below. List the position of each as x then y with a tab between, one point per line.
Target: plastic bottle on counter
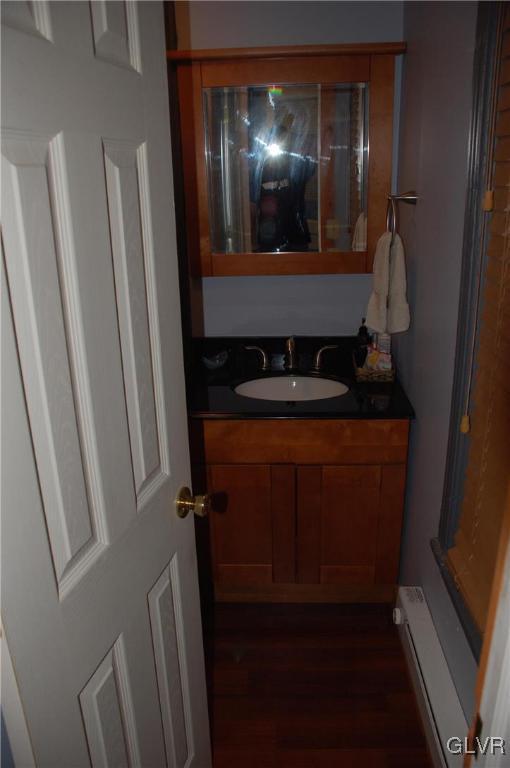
384	343
362	342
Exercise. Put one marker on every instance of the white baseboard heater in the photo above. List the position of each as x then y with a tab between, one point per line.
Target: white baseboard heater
437	698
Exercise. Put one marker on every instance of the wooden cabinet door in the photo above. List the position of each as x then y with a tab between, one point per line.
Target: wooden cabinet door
349	515
252	524
348	521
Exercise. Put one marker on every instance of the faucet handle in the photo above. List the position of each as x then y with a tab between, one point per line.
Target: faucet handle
290	354
317	360
266	365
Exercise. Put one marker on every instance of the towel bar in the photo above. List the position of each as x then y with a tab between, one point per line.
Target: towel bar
391	210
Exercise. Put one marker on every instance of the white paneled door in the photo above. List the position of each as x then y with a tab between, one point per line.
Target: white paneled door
99	578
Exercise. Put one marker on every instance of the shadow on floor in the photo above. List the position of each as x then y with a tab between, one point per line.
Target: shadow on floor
310	686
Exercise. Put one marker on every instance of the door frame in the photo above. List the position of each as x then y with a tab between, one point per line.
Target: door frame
12	711
492	717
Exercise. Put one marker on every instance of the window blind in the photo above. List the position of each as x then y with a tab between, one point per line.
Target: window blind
472	558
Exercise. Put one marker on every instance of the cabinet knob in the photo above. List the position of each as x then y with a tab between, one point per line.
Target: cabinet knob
185	503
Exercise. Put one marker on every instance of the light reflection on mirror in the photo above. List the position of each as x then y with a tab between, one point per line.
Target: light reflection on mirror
287	167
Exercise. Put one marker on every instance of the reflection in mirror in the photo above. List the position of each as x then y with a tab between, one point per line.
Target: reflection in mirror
287	167
344	167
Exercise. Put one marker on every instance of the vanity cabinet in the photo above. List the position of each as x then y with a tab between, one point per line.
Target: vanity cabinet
276	168
305	510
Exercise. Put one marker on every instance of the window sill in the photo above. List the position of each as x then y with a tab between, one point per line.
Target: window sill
473	634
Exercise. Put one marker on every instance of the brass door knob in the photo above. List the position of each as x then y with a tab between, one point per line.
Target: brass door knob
185	503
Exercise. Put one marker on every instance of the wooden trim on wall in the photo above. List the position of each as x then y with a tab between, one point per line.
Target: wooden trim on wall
315	69
192	311
495	597
282	51
195	172
292	263
327	167
382	86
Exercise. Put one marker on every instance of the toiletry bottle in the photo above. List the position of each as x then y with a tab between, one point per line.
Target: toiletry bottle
384	343
362	342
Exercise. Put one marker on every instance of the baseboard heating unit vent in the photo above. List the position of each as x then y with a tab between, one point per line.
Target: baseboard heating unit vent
437	698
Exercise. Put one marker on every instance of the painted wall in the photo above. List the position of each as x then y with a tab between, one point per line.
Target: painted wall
436	106
327	304
304	305
216	24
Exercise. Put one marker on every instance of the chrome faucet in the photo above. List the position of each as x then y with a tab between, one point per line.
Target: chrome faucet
317	360
290	354
266	365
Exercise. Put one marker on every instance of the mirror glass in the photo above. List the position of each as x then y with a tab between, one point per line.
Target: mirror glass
287	167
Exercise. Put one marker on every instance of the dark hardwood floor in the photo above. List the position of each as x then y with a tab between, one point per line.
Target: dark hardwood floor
310	686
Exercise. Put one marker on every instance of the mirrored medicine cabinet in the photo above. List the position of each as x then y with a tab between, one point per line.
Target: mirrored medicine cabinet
286	157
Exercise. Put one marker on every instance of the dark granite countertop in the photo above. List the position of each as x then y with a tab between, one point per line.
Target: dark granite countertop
211	393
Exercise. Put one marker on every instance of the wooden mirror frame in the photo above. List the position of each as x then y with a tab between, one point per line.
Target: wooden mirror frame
373	64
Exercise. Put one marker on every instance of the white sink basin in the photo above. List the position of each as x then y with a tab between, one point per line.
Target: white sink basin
291	388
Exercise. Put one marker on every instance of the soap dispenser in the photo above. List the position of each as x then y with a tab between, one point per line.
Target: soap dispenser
362	341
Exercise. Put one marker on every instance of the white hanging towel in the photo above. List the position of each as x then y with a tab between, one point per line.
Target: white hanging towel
388	311
359	240
398	308
377	310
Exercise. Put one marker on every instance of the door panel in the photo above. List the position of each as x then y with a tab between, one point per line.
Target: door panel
100	596
42	341
115	32
349	518
21	576
339	524
164	604
30	16
241	523
108	715
129	216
